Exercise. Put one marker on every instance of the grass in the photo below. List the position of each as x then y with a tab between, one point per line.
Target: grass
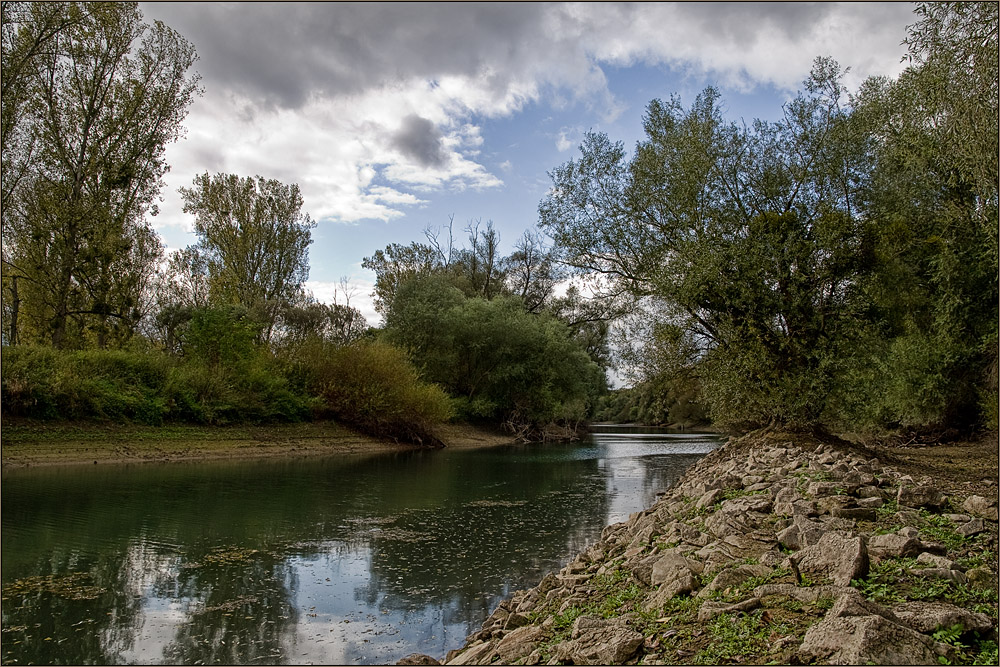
738	639
940	529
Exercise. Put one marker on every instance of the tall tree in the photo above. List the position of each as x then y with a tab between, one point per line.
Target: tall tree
748	235
97	94
934	198
254	238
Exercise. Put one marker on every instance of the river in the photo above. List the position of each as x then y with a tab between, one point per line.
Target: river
326	560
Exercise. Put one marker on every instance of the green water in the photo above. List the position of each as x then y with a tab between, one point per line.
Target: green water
347	560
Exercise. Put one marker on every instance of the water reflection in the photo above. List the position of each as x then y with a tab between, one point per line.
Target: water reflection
354	560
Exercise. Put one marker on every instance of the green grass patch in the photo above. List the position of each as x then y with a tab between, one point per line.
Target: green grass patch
940	529
737	639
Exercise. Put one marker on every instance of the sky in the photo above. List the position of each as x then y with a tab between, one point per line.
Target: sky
396	117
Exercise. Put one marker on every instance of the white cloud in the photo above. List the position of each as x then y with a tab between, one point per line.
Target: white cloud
323	103
563	143
360	287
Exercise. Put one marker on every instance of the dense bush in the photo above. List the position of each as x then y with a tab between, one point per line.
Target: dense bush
500	363
370	385
374	386
40	382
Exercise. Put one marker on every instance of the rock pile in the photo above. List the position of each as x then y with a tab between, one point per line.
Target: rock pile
789	543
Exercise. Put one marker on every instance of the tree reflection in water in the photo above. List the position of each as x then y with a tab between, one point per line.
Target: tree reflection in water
340	560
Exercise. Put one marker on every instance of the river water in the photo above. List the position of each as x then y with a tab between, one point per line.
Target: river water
341	560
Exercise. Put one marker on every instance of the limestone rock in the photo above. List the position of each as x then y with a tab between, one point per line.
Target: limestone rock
869	491
982	578
931	560
927	617
670	566
709	499
710	609
868	640
515	621
802	594
856	513
473	654
643	569
731	577
852	603
985	508
674	574
940	573
597	641
417	659
971	528
519	643
919	496
893	546
837	556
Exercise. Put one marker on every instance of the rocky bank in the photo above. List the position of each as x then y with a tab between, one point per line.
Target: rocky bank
774	548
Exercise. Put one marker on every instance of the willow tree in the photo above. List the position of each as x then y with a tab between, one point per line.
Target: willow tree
254	240
748	238
934	201
96	96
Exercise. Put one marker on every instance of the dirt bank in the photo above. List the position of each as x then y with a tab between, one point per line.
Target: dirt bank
778	548
33	443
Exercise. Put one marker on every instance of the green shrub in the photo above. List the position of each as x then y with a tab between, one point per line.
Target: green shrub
374	386
27	387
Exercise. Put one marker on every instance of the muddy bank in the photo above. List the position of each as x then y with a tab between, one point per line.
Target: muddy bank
775	548
32	443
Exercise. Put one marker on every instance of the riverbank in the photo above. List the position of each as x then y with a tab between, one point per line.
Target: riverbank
778	548
39	443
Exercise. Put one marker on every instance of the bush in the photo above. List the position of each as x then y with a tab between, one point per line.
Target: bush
44	384
28	384
374	386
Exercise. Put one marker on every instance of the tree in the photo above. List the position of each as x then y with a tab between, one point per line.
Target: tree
396	265
96	95
254	239
28	29
500	362
934	200
749	237
532	273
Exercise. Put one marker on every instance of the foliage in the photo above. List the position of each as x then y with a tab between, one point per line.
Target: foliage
661	400
934	199
223	378
750	245
92	96
500	362
373	386
253	241
837	267
737	638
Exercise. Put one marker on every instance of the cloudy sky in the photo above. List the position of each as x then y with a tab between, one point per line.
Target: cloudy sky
394	117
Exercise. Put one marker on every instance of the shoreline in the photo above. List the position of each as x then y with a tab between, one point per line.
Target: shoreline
25	443
777	548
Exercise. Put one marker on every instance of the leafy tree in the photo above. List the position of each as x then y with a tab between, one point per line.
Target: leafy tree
934	199
502	364
397	264
95	97
253	240
749	236
28	29
336	323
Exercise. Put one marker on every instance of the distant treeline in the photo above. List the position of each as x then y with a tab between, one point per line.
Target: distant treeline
835	269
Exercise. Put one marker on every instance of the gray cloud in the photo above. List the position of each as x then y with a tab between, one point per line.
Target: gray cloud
419	139
280	53
739	23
